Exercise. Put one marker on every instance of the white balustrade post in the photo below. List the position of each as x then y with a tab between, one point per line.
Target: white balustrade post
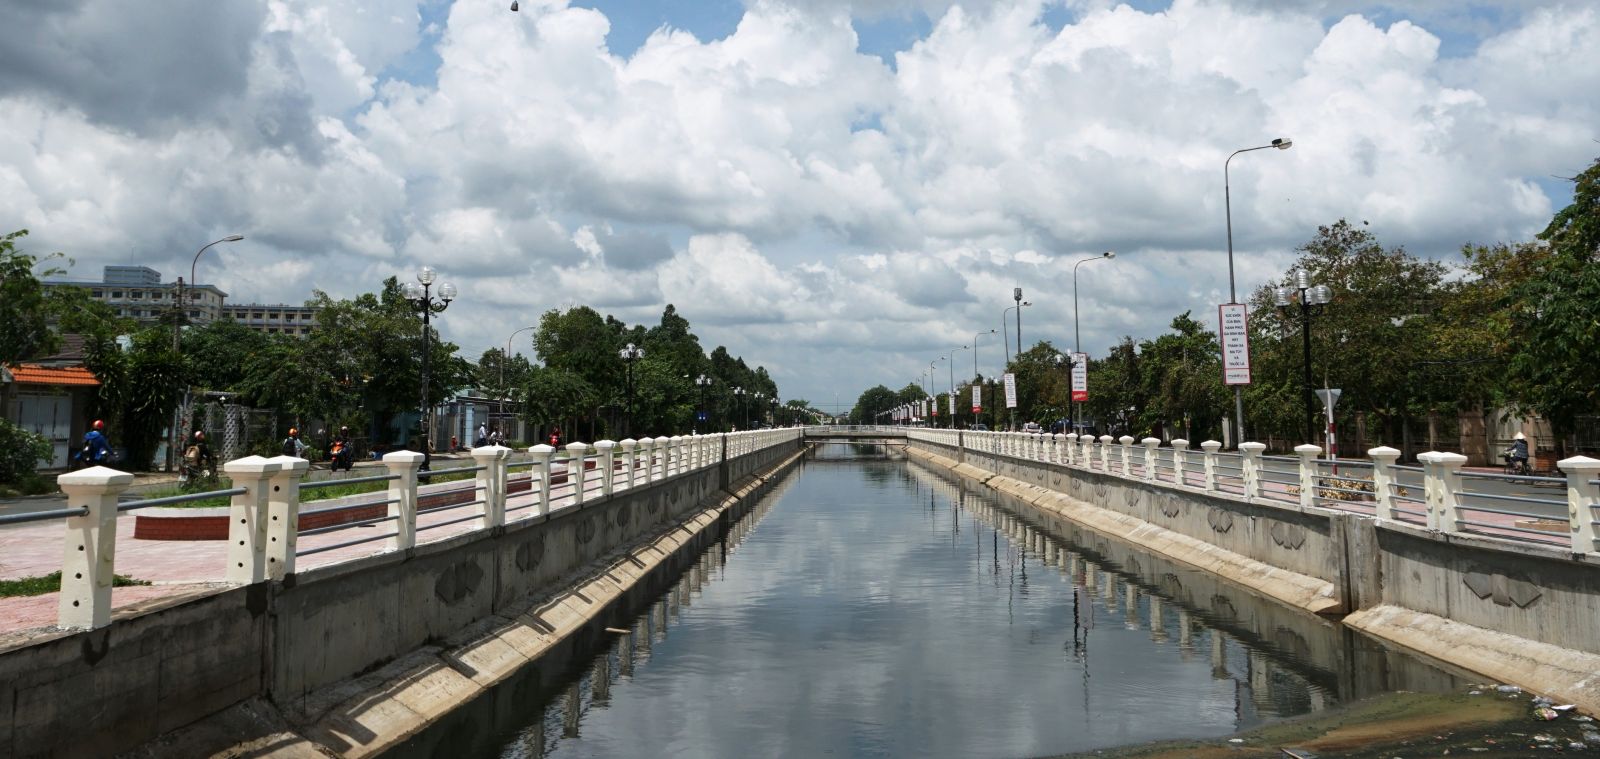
630	461
674	455
577	470
664	453
1250	462
1126	450
541	455
247	519
491	482
1086	451
1308	454
403	466
1447	468
283	515
1383	459
1105	452
1210	447
1582	494
606	463
1180	460
89	552
1150	444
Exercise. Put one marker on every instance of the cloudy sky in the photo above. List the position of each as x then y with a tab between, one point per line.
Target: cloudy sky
840	190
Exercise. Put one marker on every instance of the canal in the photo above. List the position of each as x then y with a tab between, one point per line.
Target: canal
868	605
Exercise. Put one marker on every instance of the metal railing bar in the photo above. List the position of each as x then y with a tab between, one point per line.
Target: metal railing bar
1507	512
185	498
365	504
447	523
437	509
1554	536
304	486
41	516
1422	514
1514	498
1533	478
1352	491
346	544
347	525
441	472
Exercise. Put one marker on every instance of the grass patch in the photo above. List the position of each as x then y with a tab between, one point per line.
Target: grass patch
50	583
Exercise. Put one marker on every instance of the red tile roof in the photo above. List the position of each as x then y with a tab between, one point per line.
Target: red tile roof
34	374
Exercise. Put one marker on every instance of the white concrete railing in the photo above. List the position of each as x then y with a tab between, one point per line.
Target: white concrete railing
265	503
1437	495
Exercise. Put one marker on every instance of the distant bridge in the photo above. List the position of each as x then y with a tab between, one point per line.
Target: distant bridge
855	434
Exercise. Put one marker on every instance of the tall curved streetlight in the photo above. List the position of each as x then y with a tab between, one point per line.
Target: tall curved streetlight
1281	143
951	406
704	382
181	308
504	357
738	397
1005	334
1077	335
420	293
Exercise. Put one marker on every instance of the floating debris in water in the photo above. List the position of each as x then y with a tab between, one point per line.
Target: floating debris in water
1545	713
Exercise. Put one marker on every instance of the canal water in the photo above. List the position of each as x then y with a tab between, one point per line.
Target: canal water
870	606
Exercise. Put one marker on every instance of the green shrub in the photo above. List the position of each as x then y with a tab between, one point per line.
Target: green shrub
50	583
21	452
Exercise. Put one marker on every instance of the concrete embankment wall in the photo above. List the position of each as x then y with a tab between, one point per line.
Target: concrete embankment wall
354	656
1512	612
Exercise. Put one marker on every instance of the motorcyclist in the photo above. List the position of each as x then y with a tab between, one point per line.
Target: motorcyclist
292	445
198	460
340	453
96	449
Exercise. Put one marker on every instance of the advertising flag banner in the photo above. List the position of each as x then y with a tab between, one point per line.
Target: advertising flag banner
977	398
1080	376
1011	390
952	397
1235	334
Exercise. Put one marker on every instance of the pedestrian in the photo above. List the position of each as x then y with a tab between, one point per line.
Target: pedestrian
96	449
483	436
292	445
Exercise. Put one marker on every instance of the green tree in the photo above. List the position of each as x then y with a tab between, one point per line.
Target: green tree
24	319
221	352
139	389
499	376
1180	381
1555	316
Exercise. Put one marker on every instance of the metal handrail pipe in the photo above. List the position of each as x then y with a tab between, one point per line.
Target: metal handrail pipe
304	486
447	523
1554	537
448	507
1504	512
346	525
457	470
185	498
349	507
346	544
41	516
1514	498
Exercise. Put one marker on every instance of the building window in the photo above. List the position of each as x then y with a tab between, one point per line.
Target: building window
194	314
97	293
118	294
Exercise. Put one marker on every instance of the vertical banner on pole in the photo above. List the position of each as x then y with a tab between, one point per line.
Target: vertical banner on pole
1235	334
952	397
1011	390
1080	376
977	398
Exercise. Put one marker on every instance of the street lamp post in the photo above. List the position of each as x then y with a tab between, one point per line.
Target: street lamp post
420	293
1077	335
1310	298
738	397
975	339
1016	295
180	312
704	382
1281	143
951	405
629	354
1067	363
1005	332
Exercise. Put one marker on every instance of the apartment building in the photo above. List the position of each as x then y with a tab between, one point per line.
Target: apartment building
137	292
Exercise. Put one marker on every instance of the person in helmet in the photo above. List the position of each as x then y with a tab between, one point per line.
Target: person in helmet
292	445
197	459
1517	454
96	448
340	453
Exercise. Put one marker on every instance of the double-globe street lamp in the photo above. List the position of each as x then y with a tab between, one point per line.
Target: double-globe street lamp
738	398
1310	299
629	354
1077	334
1281	143
704	382
420	293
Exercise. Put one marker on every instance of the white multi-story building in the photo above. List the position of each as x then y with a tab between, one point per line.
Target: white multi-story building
273	319
137	292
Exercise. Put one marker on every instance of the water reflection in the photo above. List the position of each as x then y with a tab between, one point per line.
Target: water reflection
871	607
